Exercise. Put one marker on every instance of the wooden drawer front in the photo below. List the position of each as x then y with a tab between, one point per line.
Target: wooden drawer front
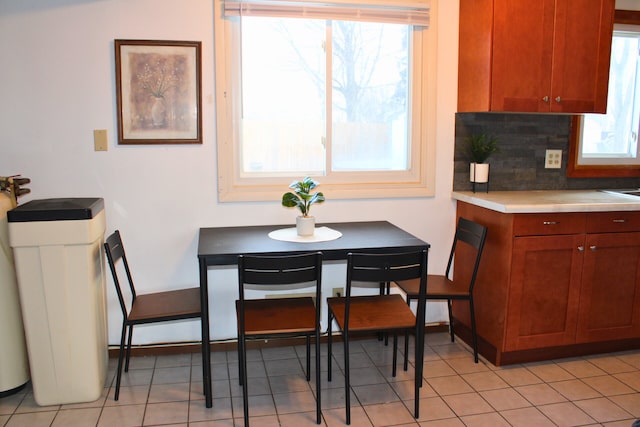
612	222
548	223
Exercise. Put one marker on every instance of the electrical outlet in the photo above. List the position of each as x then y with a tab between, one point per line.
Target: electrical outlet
553	159
337	292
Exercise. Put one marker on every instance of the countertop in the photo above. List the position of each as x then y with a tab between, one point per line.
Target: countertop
537	201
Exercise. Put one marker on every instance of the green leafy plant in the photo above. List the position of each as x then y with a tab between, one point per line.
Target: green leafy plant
301	197
478	148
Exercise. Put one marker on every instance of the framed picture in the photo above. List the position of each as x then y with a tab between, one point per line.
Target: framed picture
158	92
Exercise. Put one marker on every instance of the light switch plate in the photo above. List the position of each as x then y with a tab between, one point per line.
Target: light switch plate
100	140
553	159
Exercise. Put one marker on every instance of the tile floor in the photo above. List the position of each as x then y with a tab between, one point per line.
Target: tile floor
601	390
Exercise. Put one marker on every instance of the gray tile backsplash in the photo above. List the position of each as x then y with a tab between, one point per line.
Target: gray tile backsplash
523	141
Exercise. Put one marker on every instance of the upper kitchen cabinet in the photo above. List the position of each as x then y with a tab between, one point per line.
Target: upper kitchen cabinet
534	56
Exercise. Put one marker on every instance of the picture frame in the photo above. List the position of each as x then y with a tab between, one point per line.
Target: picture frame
158	91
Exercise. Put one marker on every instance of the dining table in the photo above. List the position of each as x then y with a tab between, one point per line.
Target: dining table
221	246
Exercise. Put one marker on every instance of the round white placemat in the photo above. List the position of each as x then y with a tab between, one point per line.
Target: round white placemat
320	234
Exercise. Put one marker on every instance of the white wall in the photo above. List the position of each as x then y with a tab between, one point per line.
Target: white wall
57	86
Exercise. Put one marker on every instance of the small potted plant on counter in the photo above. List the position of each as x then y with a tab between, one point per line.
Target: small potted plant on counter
302	198
478	148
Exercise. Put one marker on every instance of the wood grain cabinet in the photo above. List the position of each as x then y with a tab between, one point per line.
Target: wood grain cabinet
556	284
534	56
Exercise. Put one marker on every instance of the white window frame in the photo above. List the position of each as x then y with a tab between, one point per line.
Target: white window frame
417	181
608	159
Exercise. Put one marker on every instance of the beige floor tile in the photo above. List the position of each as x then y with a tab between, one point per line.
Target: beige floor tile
32	419
628	402
122	416
488	380
602	409
566	414
437	368
599	390
77	417
549	371
466	365
504	399
169	393
575	390
390	413
298	419
375	394
580	368
174	375
632	379
467	404
336	417
492	419
166	413
301	401
449	385
449	422
607	385
517	376
526	417
610	364
220	410
540	394
258	406
434	408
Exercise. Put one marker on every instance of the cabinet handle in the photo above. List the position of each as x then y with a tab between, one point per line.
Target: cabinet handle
550	222
558	99
581	248
619	220
545	99
593	247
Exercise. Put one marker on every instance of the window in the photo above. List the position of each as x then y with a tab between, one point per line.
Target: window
342	92
607	144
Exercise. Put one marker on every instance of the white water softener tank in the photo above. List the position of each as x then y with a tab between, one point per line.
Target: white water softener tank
14	365
57	246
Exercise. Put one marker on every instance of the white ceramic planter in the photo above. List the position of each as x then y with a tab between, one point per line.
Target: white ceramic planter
479	172
305	225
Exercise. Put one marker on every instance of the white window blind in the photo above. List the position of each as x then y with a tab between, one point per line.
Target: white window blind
389	12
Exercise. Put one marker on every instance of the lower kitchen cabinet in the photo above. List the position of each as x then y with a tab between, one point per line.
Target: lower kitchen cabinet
554	284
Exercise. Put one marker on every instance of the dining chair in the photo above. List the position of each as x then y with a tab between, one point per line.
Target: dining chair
441	287
280	317
380	313
145	308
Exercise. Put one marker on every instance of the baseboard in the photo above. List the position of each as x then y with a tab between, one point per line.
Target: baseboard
160	349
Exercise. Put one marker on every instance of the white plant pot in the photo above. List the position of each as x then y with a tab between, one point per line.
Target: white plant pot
305	225
479	172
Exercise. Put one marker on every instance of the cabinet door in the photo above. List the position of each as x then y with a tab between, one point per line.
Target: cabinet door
545	291
610	295
581	56
522	55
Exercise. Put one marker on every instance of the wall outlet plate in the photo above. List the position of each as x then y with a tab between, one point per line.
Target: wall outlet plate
553	159
100	140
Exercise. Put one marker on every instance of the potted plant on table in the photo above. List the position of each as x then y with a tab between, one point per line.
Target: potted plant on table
302	198
478	148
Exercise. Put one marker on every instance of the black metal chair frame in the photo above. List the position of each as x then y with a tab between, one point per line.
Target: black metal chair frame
381	269
273	272
473	234
163	306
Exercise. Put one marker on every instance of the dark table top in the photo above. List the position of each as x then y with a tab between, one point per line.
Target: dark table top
222	245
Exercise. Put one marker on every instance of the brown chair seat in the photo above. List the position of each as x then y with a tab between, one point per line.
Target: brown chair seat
172	304
367	313
279	316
